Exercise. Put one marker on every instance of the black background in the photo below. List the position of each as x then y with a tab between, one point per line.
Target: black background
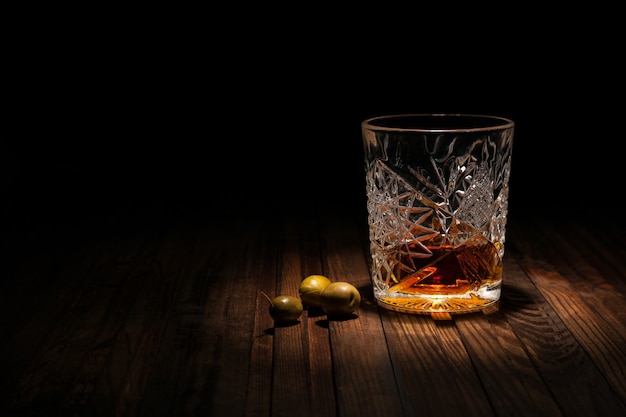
130	122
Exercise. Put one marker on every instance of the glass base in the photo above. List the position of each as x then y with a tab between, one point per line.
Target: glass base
485	299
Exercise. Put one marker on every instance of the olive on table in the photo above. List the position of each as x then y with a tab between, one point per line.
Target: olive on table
340	299
285	308
310	289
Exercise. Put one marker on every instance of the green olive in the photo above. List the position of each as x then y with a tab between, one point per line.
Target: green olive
310	289
285	308
340	299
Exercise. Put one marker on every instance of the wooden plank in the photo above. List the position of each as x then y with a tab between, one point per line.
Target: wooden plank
606	246
321	383
231	314
172	358
501	360
36	301
302	367
71	357
259	389
600	304
570	343
130	332
291	369
94	386
434	371
596	260
364	374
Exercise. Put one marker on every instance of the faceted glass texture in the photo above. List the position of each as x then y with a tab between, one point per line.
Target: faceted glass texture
436	194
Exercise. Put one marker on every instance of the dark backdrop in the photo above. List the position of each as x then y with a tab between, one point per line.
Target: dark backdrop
116	132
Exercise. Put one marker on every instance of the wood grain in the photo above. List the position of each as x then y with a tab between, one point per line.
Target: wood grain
589	327
168	318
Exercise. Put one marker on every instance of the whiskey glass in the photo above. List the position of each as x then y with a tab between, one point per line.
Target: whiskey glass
437	199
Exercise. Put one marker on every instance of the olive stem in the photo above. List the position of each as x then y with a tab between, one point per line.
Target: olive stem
268	298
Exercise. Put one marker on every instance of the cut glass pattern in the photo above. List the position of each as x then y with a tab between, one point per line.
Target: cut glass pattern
459	190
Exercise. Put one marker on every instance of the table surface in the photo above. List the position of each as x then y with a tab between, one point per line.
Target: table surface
160	312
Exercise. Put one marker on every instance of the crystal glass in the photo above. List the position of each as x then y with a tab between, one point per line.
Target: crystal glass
437	197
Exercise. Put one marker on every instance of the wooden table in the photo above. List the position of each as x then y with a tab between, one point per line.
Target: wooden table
159	312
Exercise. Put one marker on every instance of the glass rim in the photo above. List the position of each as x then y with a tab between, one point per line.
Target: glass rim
398	123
